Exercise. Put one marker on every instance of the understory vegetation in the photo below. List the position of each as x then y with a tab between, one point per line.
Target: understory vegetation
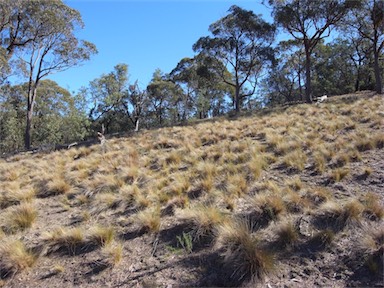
231	201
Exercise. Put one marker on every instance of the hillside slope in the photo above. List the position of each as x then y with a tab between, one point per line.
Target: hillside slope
292	196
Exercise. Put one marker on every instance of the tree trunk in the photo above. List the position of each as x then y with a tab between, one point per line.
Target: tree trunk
137	124
237	99
27	135
378	79
28	126
308	88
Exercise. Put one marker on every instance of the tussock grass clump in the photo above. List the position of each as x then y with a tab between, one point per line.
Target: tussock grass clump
242	252
237	184
52	187
339	174
112	254
69	240
106	201
257	163
149	220
336	216
294	202
15	197
364	144
204	220
101	236
104	183
294	183
323	238
372	246
14	258
317	195
295	160
164	142
19	218
378	141
286	233
365	172
270	205
373	209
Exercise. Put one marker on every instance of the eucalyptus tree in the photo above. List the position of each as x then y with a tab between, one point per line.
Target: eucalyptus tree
107	94
334	70
242	42
204	90
53	47
115	102
310	21
161	91
368	22
57	116
15	31
284	81
184	75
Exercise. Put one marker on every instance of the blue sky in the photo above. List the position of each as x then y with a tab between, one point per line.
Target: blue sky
146	35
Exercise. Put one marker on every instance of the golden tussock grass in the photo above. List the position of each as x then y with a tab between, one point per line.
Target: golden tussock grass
11	197
204	219
372	247
286	233
19	218
15	256
100	235
338	215
339	174
294	202
295	183
112	254
242	252
295	160
271	205
62	238
372	207
149	220
236	184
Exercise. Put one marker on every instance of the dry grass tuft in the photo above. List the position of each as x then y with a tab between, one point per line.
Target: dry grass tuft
101	236
69	240
338	174
270	205
295	160
243	253
112	254
372	246
14	197
373	209
19	218
204	220
14	258
149	220
287	234
336	216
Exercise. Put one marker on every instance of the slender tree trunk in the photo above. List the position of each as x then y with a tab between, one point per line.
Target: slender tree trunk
300	87
27	135
237	99
137	124
378	79
28	126
308	88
